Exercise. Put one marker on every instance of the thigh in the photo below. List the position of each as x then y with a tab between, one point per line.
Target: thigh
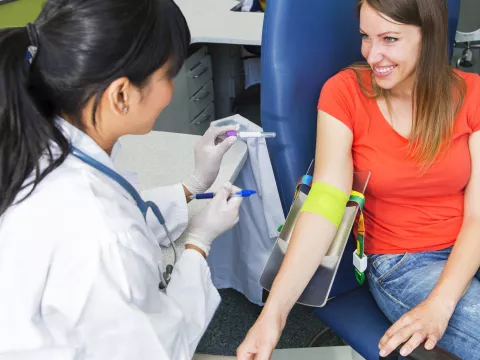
462	337
400	282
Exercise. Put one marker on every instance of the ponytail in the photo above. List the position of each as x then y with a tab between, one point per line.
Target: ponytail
27	121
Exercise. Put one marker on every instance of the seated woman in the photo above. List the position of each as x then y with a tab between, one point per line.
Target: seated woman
413	121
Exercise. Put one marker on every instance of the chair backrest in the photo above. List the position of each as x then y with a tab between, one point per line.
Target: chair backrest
305	42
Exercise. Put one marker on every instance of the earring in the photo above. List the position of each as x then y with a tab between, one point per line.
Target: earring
125	110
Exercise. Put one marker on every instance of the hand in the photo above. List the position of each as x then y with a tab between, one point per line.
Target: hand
428	321
208	158
261	339
218	216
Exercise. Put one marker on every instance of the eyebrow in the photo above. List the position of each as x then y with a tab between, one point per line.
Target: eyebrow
384	33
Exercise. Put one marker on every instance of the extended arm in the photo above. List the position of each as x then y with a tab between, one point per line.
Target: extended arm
310	240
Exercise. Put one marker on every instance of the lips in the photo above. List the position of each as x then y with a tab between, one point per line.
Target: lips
383	71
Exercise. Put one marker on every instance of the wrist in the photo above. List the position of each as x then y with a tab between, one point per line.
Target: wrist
198	242
187	193
274	312
196	248
447	302
194	185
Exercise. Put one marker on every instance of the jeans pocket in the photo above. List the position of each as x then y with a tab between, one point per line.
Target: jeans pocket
385	267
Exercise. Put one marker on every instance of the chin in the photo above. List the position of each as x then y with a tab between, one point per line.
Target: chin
386	84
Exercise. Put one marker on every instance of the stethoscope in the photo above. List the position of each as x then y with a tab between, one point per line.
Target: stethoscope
142	205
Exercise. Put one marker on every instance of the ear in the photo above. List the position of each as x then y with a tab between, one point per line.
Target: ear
118	94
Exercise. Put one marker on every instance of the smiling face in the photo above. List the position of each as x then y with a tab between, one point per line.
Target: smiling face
391	49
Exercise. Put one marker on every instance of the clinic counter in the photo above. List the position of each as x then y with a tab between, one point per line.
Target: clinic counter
163	158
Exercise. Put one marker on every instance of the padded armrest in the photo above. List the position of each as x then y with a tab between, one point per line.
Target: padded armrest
420	353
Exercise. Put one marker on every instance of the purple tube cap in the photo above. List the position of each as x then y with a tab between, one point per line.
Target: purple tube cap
231	133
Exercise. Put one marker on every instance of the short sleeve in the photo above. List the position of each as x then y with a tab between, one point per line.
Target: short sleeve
337	99
474	115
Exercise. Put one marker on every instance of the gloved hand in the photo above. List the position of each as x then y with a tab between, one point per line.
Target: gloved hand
208	158
220	215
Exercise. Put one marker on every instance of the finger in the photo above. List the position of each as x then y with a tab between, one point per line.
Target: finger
235	189
235	199
416	339
226	144
214	131
431	342
400	337
224	192
245	353
397	326
264	353
234	203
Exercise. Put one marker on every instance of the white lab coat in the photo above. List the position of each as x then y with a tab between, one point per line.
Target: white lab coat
79	271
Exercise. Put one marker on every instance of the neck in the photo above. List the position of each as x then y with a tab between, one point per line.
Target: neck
95	132
404	90
104	143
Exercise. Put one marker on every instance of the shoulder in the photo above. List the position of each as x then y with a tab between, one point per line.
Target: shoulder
344	80
346	89
471	100
472	80
342	95
350	80
63	208
472	85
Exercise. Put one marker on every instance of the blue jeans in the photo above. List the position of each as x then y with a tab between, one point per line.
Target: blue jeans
400	282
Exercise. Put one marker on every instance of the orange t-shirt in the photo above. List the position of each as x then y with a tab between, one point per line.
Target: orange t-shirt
405	211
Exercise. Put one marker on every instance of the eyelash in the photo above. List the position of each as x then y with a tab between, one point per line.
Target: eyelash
388	39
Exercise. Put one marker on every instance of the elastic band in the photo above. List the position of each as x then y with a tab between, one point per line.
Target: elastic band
195	240
32	48
194	185
326	200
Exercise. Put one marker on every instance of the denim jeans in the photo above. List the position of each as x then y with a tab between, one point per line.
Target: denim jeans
400	282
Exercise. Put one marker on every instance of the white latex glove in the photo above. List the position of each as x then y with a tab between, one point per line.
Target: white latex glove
208	158
220	215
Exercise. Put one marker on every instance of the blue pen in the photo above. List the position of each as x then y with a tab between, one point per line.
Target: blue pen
241	193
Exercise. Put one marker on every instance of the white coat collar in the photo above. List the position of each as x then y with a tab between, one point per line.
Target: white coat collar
85	143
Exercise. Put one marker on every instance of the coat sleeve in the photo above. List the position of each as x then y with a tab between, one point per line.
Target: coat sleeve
102	297
170	200
173	205
50	353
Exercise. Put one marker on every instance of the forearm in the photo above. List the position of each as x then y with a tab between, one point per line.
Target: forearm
193	293
461	266
305	253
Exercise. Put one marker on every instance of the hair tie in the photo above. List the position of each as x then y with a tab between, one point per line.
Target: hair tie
33	47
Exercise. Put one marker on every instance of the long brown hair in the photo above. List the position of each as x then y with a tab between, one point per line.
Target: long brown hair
438	91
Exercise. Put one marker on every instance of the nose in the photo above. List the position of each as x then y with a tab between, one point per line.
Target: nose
374	54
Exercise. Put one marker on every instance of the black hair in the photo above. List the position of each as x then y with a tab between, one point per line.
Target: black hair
83	46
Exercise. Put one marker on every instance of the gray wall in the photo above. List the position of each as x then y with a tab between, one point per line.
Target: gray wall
469	15
469	21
